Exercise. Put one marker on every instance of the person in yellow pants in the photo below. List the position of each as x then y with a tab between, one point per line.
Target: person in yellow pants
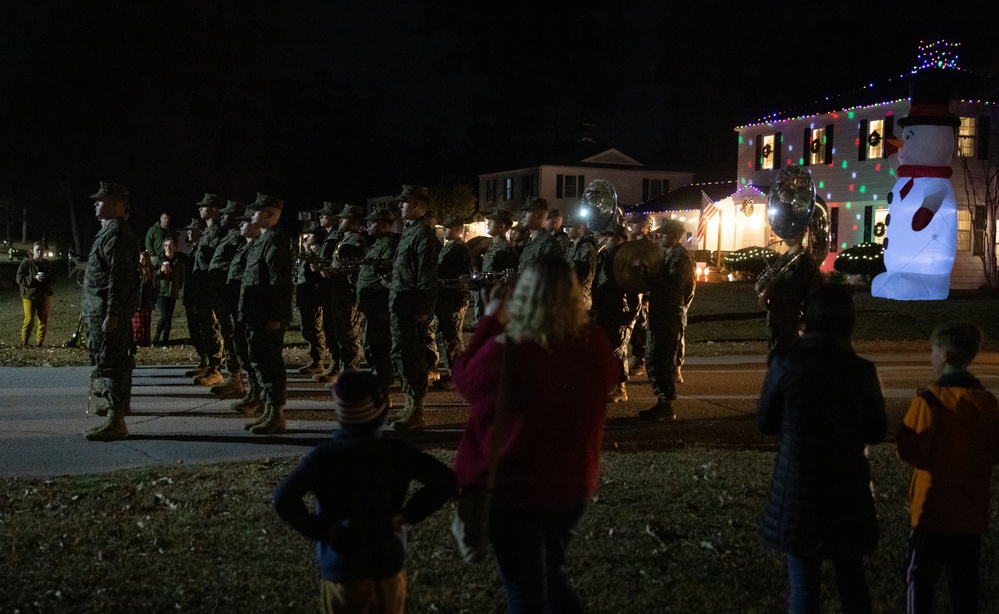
34	276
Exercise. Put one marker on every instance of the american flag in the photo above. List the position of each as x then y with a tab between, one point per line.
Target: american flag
708	211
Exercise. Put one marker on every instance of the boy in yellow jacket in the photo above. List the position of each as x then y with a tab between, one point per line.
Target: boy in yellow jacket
950	436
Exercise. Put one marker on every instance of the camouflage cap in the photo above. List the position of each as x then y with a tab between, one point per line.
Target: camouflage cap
535	203
265	202
312	228
233	208
554	212
329	208
671	227
381	215
453	220
110	189
352	212
409	191
210	200
614	230
195	224
501	215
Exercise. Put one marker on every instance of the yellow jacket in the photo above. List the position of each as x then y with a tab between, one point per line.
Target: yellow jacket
950	436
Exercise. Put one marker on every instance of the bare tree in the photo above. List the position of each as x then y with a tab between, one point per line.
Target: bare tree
981	187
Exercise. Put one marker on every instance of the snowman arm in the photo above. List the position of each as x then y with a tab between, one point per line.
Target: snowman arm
931	204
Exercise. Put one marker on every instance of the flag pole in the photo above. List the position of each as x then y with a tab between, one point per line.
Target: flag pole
719	257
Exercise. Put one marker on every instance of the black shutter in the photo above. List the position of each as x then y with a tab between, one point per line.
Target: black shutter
645	189
829	144
984	132
833	229
559	180
778	154
862	142
580	186
868	219
807	158
759	152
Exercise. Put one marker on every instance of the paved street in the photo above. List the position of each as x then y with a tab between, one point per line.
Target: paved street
43	412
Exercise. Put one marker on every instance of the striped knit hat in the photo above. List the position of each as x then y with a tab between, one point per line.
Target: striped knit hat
358	398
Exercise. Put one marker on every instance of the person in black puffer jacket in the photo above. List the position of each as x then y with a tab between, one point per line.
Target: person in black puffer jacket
825	402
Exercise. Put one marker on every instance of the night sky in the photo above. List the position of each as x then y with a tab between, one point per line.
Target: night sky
312	101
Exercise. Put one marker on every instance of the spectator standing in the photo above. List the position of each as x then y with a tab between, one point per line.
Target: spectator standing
821	505
563	368
148	292
170	276
34	278
360	482
156	235
950	436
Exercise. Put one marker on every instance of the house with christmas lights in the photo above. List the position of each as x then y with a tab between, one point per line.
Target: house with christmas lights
842	142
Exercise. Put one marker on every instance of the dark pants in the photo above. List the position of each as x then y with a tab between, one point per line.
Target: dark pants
211	334
194	329
113	358
664	351
227	318
377	334
341	325
450	313
530	546
638	333
930	555
165	305
267	362
409	353
804	575
313	332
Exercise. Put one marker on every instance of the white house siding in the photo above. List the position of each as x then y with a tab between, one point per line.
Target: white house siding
847	184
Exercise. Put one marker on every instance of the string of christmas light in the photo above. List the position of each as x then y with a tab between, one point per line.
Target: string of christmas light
940	54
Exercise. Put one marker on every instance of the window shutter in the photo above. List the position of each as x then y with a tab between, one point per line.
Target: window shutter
665	188
645	189
778	154
862	144
868	222
559	180
984	132
580	186
829	144
759	152
833	229
807	158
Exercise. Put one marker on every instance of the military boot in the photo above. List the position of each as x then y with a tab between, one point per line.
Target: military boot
211	377
199	370
313	368
660	412
327	374
263	417
411	418
250	404
112	429
273	424
102	410
232	387
619	395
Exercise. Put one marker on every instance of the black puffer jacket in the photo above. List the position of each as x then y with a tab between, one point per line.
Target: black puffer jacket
826	404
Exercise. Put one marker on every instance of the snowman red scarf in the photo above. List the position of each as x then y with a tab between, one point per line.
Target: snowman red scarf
922	217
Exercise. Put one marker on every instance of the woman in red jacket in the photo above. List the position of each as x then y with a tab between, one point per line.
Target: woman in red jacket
551	433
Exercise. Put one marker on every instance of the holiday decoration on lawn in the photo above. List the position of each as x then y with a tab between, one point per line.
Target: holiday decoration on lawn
921	226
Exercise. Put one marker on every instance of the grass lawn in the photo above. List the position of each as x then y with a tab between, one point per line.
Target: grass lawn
670	531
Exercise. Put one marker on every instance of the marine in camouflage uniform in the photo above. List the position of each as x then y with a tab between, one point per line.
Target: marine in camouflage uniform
191	292
582	257
107	303
638	230
541	242
309	303
207	319
614	308
669	300
222	303
265	307
453	263
553	224
341	321
412	297
792	279
251	402
500	256
373	296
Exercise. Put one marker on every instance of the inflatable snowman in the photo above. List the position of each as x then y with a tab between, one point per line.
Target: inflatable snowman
921	227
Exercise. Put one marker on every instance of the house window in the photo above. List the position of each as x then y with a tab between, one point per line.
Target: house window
527	187
767	153
963	230
817	146
652	188
966	138
875	139
569	186
490	190
508	188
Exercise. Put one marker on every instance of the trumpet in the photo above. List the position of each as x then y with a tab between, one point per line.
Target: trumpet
478	281
344	267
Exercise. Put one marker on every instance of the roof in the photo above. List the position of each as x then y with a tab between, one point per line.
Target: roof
687	198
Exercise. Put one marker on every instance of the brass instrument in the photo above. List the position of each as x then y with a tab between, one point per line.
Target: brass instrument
344	267
478	281
636	264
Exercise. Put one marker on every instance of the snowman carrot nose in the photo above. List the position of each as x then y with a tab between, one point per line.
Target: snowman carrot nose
894	142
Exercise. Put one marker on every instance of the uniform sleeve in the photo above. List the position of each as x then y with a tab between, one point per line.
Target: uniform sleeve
123	260
426	275
280	269
915	434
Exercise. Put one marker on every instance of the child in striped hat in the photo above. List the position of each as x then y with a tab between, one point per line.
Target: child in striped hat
360	481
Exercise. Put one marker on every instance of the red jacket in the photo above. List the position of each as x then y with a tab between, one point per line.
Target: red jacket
555	425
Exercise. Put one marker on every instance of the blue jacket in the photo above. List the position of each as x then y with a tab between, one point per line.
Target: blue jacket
360	483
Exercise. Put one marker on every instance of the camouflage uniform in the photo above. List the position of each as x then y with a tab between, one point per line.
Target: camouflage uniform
669	300
111	289
582	257
786	302
373	303
341	321
251	401
207	319
541	245
265	296
499	257
309	303
454	261
614	311
223	305
413	292
562	238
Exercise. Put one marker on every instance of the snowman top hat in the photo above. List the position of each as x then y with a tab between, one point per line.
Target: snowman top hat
930	93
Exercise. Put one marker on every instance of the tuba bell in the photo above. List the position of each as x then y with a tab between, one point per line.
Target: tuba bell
599	206
794	211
